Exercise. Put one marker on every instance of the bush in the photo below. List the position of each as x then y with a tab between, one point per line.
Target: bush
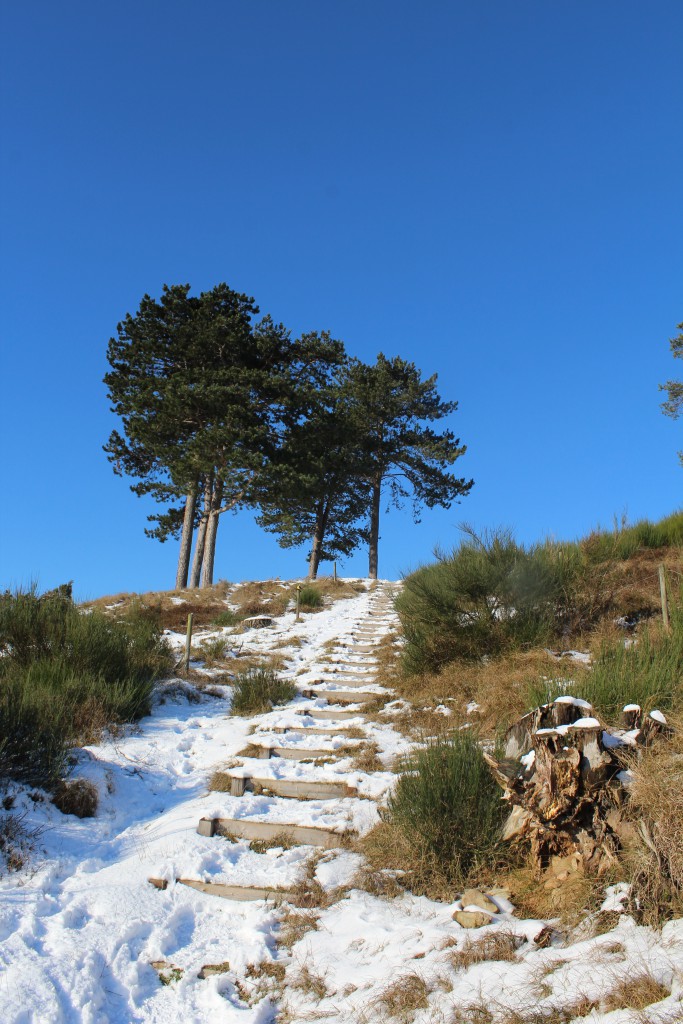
449	805
258	689
488	596
79	797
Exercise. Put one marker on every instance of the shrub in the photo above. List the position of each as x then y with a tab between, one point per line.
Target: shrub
258	689
449	805
488	596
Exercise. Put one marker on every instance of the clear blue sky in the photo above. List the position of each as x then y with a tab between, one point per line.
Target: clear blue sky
493	190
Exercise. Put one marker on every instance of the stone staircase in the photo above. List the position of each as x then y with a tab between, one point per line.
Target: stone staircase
346	685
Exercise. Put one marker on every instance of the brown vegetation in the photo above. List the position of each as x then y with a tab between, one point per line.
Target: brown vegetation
78	797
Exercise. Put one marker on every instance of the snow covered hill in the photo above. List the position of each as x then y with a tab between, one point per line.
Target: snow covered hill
87	938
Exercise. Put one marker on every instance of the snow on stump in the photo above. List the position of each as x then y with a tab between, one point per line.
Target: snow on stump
564	773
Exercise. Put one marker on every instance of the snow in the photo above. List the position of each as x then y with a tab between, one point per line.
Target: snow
81	926
657	716
577	702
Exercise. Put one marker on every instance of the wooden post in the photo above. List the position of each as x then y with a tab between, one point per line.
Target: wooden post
335	572
188	641
662	592
298	597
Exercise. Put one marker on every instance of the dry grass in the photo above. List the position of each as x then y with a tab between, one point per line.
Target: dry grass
402	999
500	686
388	848
635	993
482	1013
655	858
311	984
205	604
267	597
495	946
570	902
364	757
380	882
79	797
294	925
281	841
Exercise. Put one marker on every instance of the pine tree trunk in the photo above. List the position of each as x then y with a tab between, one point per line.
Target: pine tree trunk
374	528
211	533
186	539
317	541
201	533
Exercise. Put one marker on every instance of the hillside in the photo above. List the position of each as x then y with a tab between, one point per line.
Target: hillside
216	882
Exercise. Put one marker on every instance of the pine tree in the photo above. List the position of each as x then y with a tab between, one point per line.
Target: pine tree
313	491
392	407
674	388
192	380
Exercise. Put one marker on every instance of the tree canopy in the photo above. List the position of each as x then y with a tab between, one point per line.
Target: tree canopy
220	410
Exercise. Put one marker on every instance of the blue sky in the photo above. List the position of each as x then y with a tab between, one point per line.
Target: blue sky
492	190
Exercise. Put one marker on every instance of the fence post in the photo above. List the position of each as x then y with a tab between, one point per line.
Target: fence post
662	592
335	572
188	641
298	596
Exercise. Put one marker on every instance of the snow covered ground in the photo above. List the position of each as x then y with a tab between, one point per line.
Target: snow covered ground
86	939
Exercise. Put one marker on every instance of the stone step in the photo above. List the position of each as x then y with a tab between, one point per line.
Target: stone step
241	893
311	730
299	835
339	680
332	715
344	696
299	789
287	753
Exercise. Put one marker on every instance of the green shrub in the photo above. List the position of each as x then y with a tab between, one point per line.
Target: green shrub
310	597
212	650
488	596
449	805
258	689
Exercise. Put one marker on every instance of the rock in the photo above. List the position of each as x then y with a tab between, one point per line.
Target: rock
475	898
209	969
471	918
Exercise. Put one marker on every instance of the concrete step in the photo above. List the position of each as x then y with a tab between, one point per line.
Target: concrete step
241	893
299	835
299	789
